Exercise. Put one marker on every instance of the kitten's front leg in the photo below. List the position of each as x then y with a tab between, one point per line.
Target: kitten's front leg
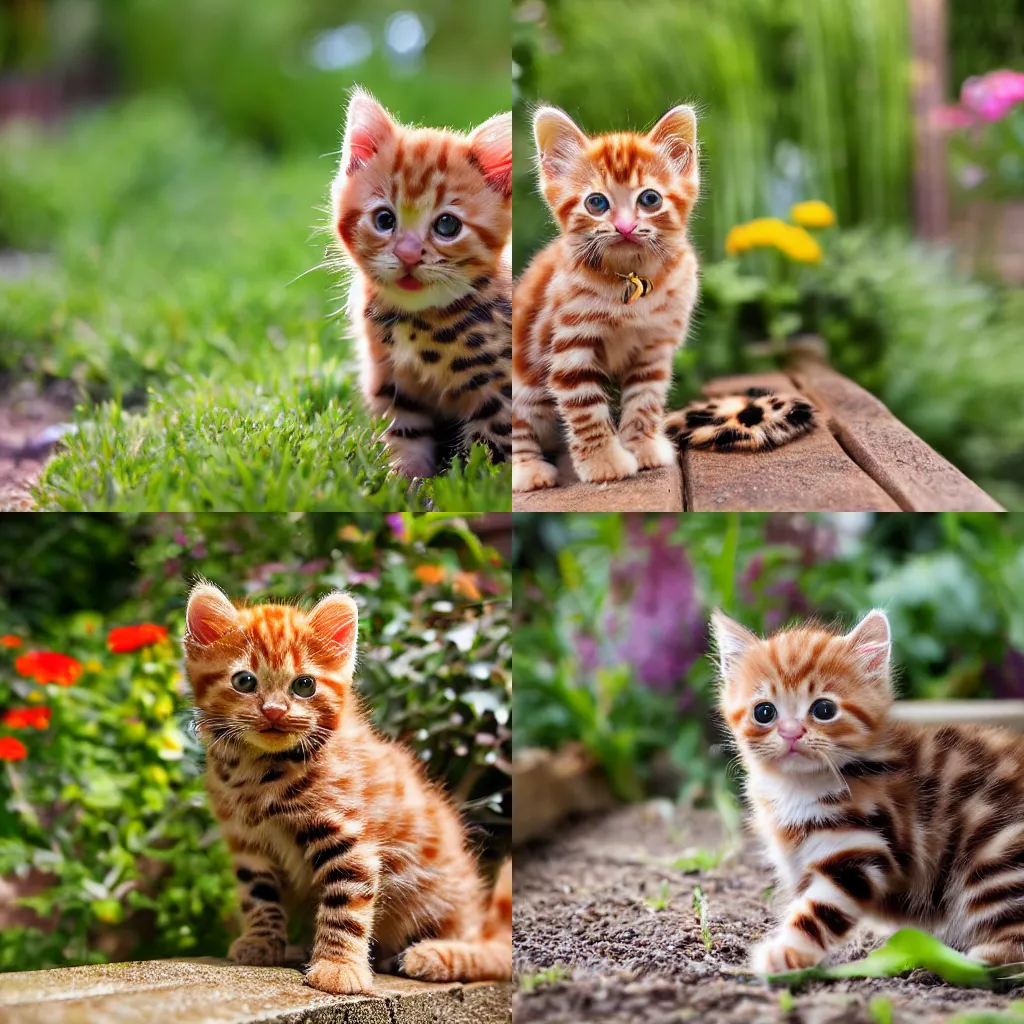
644	387
822	917
490	423
410	433
264	935
578	383
346	872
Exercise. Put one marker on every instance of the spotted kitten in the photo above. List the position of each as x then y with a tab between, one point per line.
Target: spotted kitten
321	812
756	421
622	202
863	816
424	217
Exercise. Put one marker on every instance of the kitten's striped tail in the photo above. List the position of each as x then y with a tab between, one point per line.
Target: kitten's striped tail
756	421
488	958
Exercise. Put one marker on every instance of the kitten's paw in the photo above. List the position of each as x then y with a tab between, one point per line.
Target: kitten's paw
610	462
532	476
340	979
780	953
425	961
257	952
412	466
652	452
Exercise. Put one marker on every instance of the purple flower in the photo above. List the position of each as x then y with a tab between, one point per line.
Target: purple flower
398	528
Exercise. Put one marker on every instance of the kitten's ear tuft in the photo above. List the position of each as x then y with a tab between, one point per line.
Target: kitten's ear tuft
336	618
209	616
491	147
368	126
731	641
871	640
676	135
559	140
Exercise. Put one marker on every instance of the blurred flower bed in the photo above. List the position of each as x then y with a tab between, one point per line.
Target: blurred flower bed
107	847
610	617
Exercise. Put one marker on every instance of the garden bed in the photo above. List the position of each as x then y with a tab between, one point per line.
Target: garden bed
587	901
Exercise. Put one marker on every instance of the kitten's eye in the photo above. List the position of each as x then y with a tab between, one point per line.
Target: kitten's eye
764	713
244	682
649	199
447	225
824	709
384	220
304	686
597	204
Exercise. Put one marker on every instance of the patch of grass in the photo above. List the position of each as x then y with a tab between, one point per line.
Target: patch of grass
699	859
215	372
660	902
700	904
548	976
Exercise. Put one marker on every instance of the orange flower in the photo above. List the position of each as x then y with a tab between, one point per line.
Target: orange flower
464	583
11	749
10	641
27	718
131	638
48	667
429	574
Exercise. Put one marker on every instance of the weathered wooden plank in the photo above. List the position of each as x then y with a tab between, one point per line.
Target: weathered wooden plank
653	490
917	477
811	474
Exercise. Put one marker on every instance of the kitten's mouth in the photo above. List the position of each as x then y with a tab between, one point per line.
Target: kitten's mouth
409	283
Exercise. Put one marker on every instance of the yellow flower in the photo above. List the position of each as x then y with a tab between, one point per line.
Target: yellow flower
813	214
351	533
736	241
92	666
429	574
464	583
798	245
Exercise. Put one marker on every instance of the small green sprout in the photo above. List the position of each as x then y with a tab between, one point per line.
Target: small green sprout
880	1009
787	1001
548	976
700	904
661	901
698	859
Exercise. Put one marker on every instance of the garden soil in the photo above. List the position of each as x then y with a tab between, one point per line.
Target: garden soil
24	416
584	901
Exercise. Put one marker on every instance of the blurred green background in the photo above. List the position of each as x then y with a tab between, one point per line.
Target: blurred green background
610	618
164	169
798	100
108	850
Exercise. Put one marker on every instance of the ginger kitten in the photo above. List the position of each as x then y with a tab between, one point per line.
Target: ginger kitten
322	813
863	816
424	217
607	302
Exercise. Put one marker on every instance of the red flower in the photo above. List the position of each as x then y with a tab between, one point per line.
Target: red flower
131	638
11	749
27	718
48	667
9	640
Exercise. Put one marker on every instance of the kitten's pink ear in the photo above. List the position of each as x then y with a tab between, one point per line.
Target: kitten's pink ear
491	146
336	618
210	616
676	135
871	640
368	126
731	641
559	140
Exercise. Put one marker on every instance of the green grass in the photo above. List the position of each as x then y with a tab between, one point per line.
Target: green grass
215	369
548	976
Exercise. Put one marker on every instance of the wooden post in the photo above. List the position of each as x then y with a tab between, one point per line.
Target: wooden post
929	71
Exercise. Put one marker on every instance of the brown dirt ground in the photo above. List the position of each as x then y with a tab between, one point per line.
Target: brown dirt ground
23	415
578	902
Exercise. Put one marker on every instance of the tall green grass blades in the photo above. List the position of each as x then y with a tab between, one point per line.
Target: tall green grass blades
908	950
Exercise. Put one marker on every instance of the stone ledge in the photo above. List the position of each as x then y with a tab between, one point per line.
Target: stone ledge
209	991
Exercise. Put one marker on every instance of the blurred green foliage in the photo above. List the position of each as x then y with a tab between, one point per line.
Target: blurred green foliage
983	37
107	815
594	595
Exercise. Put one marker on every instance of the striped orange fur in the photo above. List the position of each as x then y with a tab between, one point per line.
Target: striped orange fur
863	816
424	218
320	811
622	202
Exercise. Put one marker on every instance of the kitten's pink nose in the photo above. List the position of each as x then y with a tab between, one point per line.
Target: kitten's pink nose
409	249
791	729
274	712
625	226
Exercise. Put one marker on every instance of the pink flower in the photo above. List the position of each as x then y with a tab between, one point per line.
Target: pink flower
993	95
951	118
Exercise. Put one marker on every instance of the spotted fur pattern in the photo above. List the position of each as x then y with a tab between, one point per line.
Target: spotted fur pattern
756	421
321	812
573	335
863	816
432	314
